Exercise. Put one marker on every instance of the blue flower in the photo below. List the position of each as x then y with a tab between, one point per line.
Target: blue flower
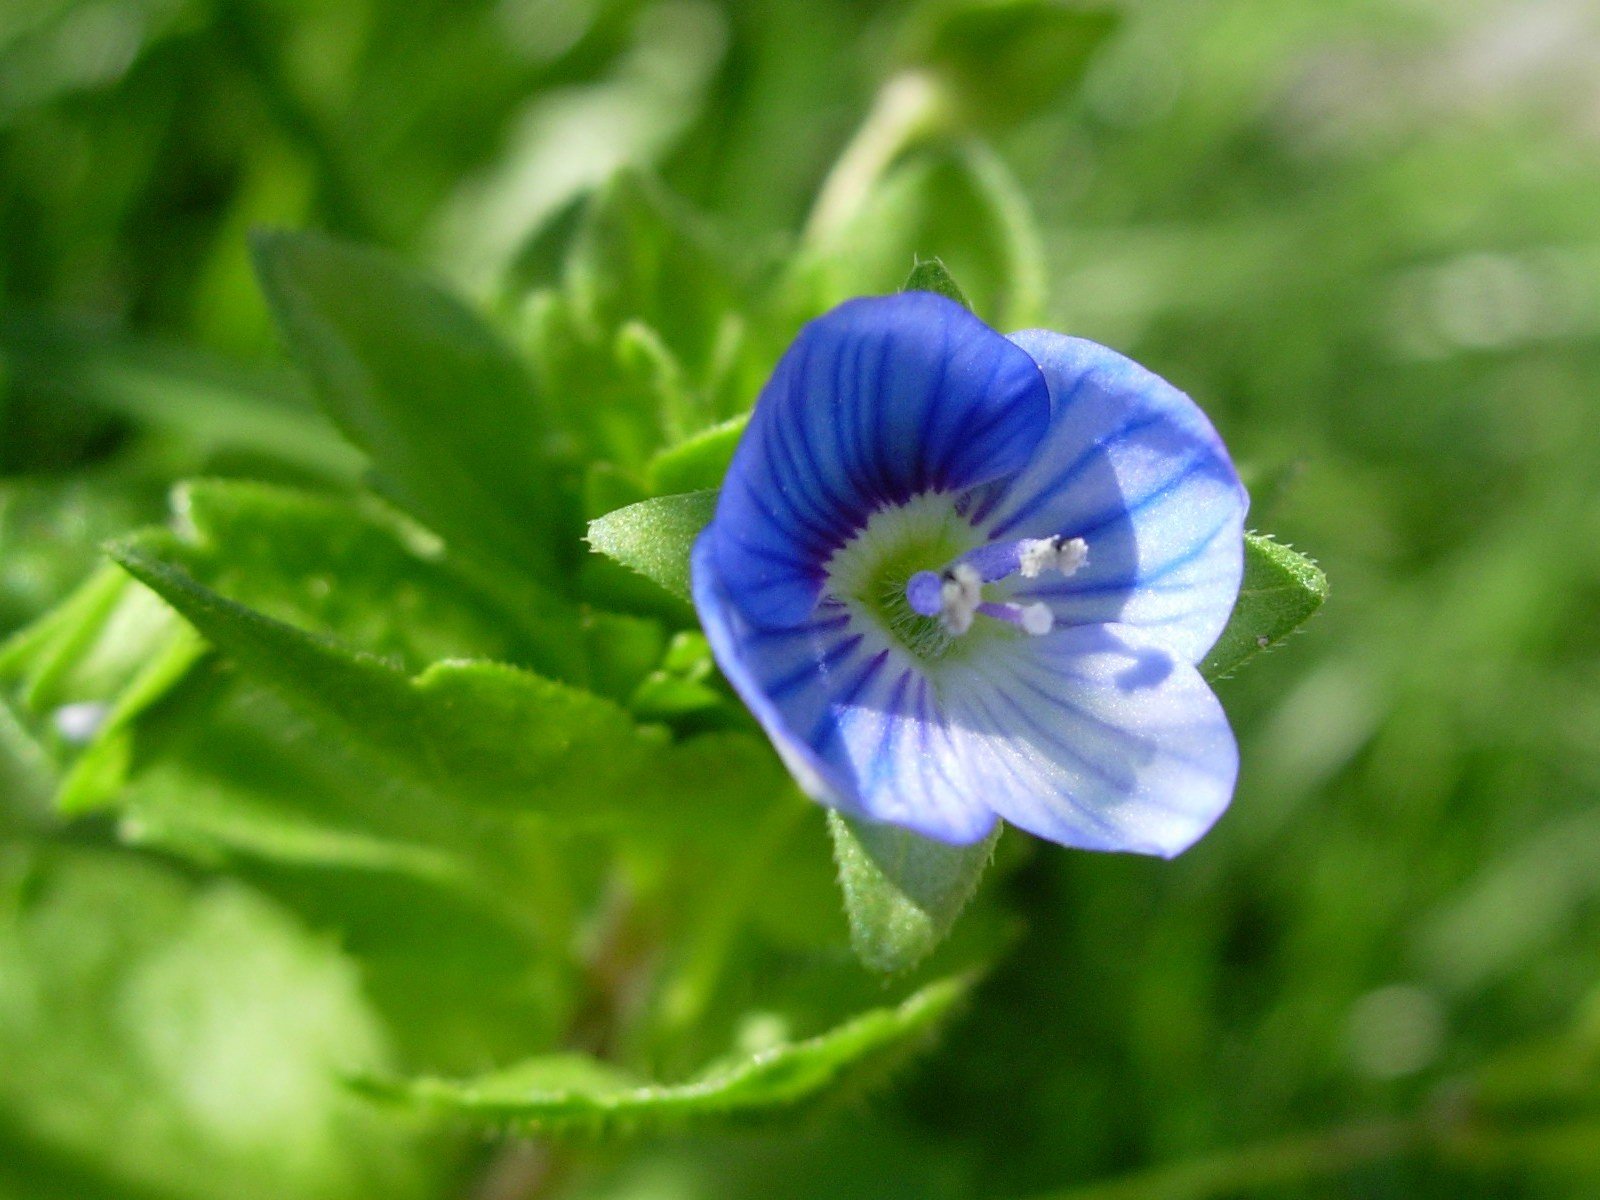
959	577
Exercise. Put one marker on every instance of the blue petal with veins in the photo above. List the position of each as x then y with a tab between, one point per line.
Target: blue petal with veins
961	578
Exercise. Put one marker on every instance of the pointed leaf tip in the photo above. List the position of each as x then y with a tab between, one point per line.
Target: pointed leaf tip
902	892
931	275
654	537
1281	590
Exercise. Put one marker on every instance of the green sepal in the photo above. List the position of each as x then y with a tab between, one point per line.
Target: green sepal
902	891
1281	590
930	275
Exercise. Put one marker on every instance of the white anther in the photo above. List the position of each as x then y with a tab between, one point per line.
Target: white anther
960	593
1035	556
1037	619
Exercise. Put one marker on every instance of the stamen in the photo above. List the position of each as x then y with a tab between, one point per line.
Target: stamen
1028	557
1035	619
955	594
1035	556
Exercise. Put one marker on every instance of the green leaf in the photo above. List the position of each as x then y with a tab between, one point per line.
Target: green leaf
641	255
699	461
959	203
51	530
1280	592
902	891
930	275
1003	60
441	406
362	573
184	1040
563	1093
481	732
654	537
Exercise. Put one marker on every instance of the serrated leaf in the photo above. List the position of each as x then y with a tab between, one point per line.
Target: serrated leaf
479	732
365	574
1280	592
902	891
441	406
1002	60
930	275
654	537
563	1093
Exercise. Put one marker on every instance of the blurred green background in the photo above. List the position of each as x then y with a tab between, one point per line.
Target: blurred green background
1364	234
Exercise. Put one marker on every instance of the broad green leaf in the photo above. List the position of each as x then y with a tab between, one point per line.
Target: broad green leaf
654	537
480	732
930	275
369	577
443	408
902	891
563	1093
1002	60
1280	592
184	1040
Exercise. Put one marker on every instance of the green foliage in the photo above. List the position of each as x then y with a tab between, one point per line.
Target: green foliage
1280	592
147	1020
484	732
1003	59
902	892
959	201
443	409
1364	242
563	1093
653	537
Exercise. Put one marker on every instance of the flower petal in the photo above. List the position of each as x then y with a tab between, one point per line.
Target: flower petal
880	400
1095	737
850	715
1131	465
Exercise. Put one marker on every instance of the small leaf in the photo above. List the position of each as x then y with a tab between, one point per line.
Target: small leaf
654	537
441	406
902	891
930	275
566	1092
1280	592
699	461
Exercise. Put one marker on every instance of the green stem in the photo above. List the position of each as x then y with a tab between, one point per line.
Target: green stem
909	107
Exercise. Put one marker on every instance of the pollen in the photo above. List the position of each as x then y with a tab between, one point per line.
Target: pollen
1035	556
